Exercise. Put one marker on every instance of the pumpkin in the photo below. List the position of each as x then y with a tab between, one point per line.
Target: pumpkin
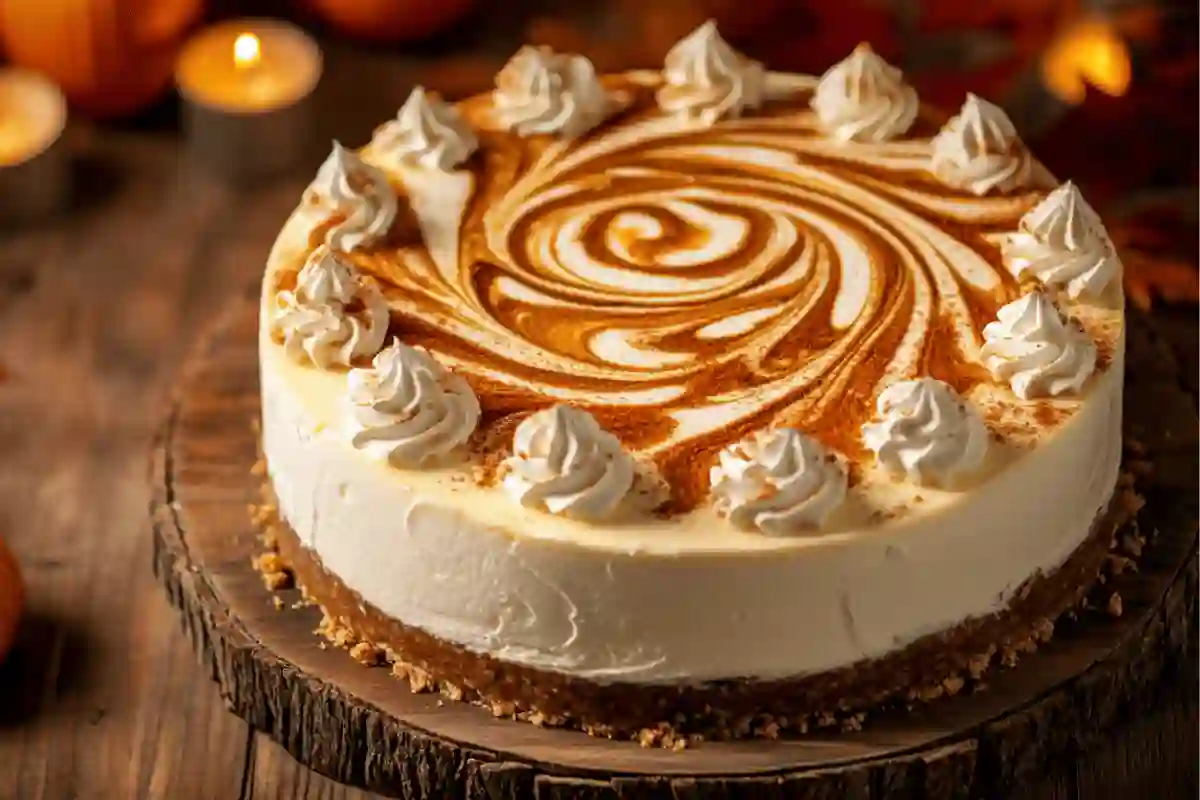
12	598
390	20
110	57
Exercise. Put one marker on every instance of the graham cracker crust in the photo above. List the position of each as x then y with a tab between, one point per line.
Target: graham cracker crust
941	664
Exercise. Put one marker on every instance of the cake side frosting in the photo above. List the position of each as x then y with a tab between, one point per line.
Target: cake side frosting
643	602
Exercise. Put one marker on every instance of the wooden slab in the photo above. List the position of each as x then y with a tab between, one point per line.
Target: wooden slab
361	726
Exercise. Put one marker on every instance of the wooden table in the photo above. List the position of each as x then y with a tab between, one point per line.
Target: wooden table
103	696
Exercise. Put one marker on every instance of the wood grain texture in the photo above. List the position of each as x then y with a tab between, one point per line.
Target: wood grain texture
100	691
357	725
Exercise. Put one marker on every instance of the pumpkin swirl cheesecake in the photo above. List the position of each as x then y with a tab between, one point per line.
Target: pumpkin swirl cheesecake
693	397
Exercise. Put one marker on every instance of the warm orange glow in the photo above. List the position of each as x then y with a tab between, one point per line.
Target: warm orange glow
1089	53
246	50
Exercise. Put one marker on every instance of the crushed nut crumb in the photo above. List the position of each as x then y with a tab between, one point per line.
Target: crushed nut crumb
367	654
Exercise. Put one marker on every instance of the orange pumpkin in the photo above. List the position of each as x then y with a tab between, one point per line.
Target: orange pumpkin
111	57
12	598
391	20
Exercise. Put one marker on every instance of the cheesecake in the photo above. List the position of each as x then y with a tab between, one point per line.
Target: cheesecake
692	397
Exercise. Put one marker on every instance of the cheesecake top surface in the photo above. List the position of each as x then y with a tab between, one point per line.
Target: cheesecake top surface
689	282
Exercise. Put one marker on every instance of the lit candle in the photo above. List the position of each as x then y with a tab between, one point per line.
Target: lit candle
34	170
1088	53
247	88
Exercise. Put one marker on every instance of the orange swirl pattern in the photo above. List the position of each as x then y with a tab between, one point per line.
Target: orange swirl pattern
688	285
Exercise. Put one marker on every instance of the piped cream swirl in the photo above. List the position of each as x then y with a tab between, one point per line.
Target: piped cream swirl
926	433
1032	347
1062	242
980	151
779	482
542	92
359	195
408	409
865	99
334	316
563	462
428	133
706	79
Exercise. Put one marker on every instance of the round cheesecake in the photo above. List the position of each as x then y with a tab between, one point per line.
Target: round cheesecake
691	396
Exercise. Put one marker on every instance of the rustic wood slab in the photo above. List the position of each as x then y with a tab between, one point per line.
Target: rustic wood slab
360	726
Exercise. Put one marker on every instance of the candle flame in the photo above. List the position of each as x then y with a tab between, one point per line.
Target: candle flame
246	50
1089	53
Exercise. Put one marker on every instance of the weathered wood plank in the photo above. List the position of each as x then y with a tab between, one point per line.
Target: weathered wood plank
102	695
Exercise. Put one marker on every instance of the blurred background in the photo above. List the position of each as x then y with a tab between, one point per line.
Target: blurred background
1105	90
101	298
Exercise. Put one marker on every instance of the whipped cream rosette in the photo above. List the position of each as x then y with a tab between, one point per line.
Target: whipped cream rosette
540	91
926	433
359	195
427	133
334	317
565	463
1031	347
865	99
979	151
779	482
706	79
1062	242
408	409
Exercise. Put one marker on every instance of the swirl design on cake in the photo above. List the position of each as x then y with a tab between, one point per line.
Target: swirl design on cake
543	92
408	409
333	317
1062	242
979	151
865	99
1032	348
779	482
564	463
362	201
706	79
926	433
690	284
428	133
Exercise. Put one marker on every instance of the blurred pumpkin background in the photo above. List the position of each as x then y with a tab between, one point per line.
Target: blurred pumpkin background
1082	79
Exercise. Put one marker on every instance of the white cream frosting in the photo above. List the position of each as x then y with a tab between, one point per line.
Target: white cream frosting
706	79
1033	348
644	601
1062	242
927	433
360	194
979	151
428	133
542	92
565	463
407	409
314	320
865	99
779	482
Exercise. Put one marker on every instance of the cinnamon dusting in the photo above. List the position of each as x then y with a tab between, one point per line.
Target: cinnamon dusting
784	263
